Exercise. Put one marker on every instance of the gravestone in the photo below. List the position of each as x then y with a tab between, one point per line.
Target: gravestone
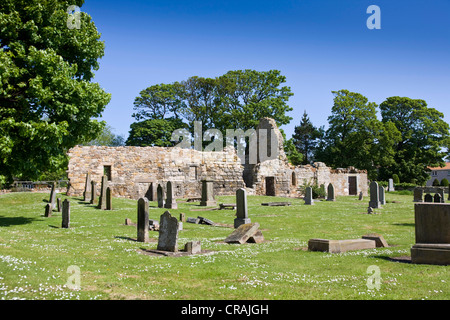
374	195
52	196
437	198
428	198
391	185
193	247
108	198
448	193
93	193
339	246
241	208
208	193
65	214
361	196
48	210
442	194
160	196
171	203
168	233
182	217
87	188
378	238
418	194
102	198
330	193
432	234
382	195
243	233
142	220
308	196
58	204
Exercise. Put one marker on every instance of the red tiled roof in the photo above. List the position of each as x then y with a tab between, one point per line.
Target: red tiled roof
447	167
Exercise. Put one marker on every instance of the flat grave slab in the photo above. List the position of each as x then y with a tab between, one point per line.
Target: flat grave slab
276	204
339	246
243	233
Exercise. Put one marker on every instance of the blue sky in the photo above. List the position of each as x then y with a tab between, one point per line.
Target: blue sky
319	45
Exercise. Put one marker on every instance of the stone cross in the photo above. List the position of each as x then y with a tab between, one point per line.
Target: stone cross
65	214
241	208
308	196
142	220
52	196
48	210
330	193
168	233
208	193
87	188
108	198
382	195
374	195
171	203
102	198
160	196
93	192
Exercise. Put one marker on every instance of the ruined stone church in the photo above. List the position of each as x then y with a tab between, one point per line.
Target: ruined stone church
134	172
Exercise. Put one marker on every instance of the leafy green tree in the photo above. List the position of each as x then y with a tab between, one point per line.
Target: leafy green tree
305	139
423	136
436	183
444	183
107	138
154	132
293	155
47	102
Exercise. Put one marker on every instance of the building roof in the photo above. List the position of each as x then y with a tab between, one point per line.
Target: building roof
446	167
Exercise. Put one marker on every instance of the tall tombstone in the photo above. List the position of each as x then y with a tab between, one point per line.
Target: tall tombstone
48	210
108	198
437	198
102	198
241	208
52	196
65	214
442	194
308	196
58	204
428	198
374	195
330	193
171	203
361	196
391	185
208	193
168	233
160	196
382	195
87	188
418	194
142	220
93	192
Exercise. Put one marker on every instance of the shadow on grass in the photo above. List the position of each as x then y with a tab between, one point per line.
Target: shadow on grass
401	259
405	224
13	221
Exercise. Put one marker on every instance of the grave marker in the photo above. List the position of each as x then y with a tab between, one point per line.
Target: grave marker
160	196
374	195
437	198
142	220
102	198
171	203
58	204
93	193
108	198
428	198
382	195
241	208
87	188
52	196
308	196
418	194
168	233
65	214
243	233
330	193
48	210
208	193
391	185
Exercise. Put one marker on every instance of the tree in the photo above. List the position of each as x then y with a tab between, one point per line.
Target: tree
154	132
423	136
305	138
356	137
107	138
47	102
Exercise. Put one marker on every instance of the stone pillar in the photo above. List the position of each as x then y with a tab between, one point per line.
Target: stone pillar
168	233
382	195
208	193
48	210
93	193
102	198
308	196
142	220
241	208
52	196
330	193
374	195
87	188
108	198
171	203
65	214
58	205
160	196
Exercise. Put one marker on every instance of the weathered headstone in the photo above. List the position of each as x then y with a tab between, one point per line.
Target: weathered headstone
52	196
378	238
87	188
382	195
160	196
391	185
108	198
142	220
361	196
241	208
243	233
442	194
168	233
428	198
432	233
338	246
308	196
374	195
48	210
193	247
437	198
193	220
93	193
58	204
182	217
65	214
171	203
102	198
208	193
330	193
418	194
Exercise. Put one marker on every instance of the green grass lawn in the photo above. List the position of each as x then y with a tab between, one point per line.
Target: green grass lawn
35	253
